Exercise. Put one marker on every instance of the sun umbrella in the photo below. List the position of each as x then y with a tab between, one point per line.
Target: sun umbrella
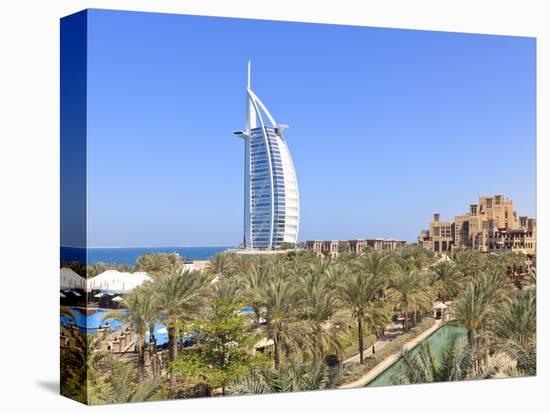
117	299
62	295
99	295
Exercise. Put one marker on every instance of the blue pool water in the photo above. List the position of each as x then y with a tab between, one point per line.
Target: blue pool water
89	324
129	255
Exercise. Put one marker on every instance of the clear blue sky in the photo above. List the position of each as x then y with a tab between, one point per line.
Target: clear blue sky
386	126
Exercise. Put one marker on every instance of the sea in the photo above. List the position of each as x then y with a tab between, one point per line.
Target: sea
129	255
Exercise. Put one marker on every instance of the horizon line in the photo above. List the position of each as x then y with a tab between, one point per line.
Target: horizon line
135	247
232	246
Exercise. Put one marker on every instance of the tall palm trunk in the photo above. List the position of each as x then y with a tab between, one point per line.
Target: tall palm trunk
172	344
471	337
276	353
152	339
361	343
141	359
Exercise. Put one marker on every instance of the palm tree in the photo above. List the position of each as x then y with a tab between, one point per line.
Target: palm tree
123	387
93	355
320	307
139	308
525	358
378	264
222	264
357	291
446	280
291	377
469	263
150	311
377	317
334	274
80	377
158	263
227	292
513	329
515	267
251	285
180	297
95	269
413	257
289	332
474	305
457	363
408	292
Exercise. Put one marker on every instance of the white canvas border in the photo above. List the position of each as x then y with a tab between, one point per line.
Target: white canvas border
29	159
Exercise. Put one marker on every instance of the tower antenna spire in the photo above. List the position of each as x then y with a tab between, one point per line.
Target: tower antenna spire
248	83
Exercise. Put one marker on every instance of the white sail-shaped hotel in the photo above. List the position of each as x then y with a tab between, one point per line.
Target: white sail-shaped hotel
271	200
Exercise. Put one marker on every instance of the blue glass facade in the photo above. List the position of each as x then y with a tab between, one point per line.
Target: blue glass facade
267	189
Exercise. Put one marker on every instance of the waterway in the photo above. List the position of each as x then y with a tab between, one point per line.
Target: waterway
437	341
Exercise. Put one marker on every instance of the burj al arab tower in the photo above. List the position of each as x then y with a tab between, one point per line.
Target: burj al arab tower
271	200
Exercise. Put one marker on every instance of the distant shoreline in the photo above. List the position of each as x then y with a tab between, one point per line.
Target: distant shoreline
129	255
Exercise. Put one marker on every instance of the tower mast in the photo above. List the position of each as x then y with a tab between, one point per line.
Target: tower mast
251	113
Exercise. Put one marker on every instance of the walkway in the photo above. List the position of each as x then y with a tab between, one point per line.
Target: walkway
392	331
387	362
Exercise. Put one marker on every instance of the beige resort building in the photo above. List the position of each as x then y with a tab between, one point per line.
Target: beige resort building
490	226
332	247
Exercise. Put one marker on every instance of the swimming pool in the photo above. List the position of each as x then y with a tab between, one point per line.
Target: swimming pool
437	342
89	320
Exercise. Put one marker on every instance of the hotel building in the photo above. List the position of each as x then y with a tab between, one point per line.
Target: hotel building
332	248
271	200
490	226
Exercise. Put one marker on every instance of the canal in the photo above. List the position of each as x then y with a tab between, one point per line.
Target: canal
437	342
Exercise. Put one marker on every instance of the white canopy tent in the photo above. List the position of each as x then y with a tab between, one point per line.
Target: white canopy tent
115	281
71	280
110	281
